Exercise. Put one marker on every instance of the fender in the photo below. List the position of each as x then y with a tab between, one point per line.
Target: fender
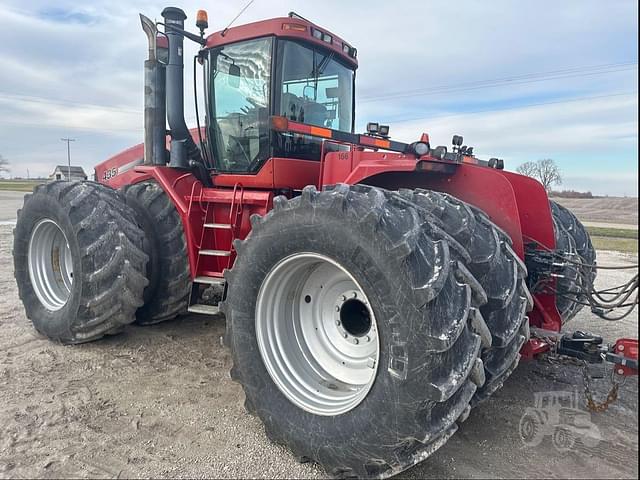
517	204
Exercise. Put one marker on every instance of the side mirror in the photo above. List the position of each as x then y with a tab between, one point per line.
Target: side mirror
234	75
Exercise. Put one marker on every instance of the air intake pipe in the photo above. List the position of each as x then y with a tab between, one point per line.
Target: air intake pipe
155	121
183	148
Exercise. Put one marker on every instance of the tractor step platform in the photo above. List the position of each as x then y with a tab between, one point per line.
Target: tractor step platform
224	226
209	280
215	253
203	309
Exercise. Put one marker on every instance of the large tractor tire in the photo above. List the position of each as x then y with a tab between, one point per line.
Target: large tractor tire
79	261
351	330
579	273
497	268
167	294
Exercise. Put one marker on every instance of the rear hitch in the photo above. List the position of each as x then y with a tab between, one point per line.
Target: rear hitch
623	354
581	345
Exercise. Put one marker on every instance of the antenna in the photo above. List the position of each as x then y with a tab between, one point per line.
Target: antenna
223	33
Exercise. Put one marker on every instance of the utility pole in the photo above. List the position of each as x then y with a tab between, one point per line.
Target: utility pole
68	140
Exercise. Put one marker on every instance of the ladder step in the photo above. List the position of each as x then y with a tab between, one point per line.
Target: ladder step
215	253
204	309
218	225
209	280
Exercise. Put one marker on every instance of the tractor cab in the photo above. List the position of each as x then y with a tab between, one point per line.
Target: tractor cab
287	68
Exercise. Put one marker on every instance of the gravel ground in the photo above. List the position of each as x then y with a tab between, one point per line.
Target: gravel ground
158	402
10	202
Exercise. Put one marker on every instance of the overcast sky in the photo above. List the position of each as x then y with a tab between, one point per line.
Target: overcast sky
521	80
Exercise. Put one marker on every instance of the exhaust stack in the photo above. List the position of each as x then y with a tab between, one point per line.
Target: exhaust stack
183	147
154	100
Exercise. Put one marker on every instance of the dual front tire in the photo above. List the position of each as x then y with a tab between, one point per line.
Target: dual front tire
79	261
89	260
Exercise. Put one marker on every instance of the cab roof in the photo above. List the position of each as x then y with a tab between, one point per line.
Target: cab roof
293	27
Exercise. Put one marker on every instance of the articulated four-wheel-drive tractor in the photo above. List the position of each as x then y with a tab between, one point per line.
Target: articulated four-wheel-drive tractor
374	291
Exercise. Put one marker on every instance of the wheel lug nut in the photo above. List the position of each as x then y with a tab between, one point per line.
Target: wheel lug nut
356	341
337	308
337	322
354	294
368	338
346	335
344	297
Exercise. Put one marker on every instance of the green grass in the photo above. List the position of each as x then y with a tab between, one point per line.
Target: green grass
612	232
19	185
626	245
617	239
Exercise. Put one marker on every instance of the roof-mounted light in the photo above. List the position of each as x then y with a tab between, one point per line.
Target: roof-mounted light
202	20
372	128
349	50
294	26
320	35
419	148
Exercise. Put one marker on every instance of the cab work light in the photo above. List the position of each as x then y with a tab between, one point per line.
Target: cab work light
320	35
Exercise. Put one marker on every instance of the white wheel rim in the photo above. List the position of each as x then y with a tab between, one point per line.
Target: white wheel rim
317	334
50	264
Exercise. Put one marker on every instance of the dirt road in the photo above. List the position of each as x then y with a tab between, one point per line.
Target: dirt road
158	402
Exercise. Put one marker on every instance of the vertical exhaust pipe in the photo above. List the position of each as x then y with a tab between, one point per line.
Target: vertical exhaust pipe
183	147
154	100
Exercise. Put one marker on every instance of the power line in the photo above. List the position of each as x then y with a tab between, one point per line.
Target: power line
512	80
36	99
515	107
524	76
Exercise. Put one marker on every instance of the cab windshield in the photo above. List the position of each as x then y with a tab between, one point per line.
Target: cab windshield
306	84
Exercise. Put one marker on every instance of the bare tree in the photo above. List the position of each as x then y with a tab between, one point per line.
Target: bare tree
4	164
545	171
528	168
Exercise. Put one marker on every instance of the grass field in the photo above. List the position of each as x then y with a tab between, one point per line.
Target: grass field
612	232
626	245
619	239
19	185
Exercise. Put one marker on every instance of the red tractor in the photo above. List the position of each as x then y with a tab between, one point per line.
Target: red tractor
374	291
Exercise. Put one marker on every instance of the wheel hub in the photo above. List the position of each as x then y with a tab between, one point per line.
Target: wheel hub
317	334
50	264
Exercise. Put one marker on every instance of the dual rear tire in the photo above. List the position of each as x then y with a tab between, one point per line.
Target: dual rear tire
579	271
376	407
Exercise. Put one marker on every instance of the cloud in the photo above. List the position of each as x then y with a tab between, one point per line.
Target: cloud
62	15
76	70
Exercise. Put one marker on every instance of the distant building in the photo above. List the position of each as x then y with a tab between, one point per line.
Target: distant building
62	173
